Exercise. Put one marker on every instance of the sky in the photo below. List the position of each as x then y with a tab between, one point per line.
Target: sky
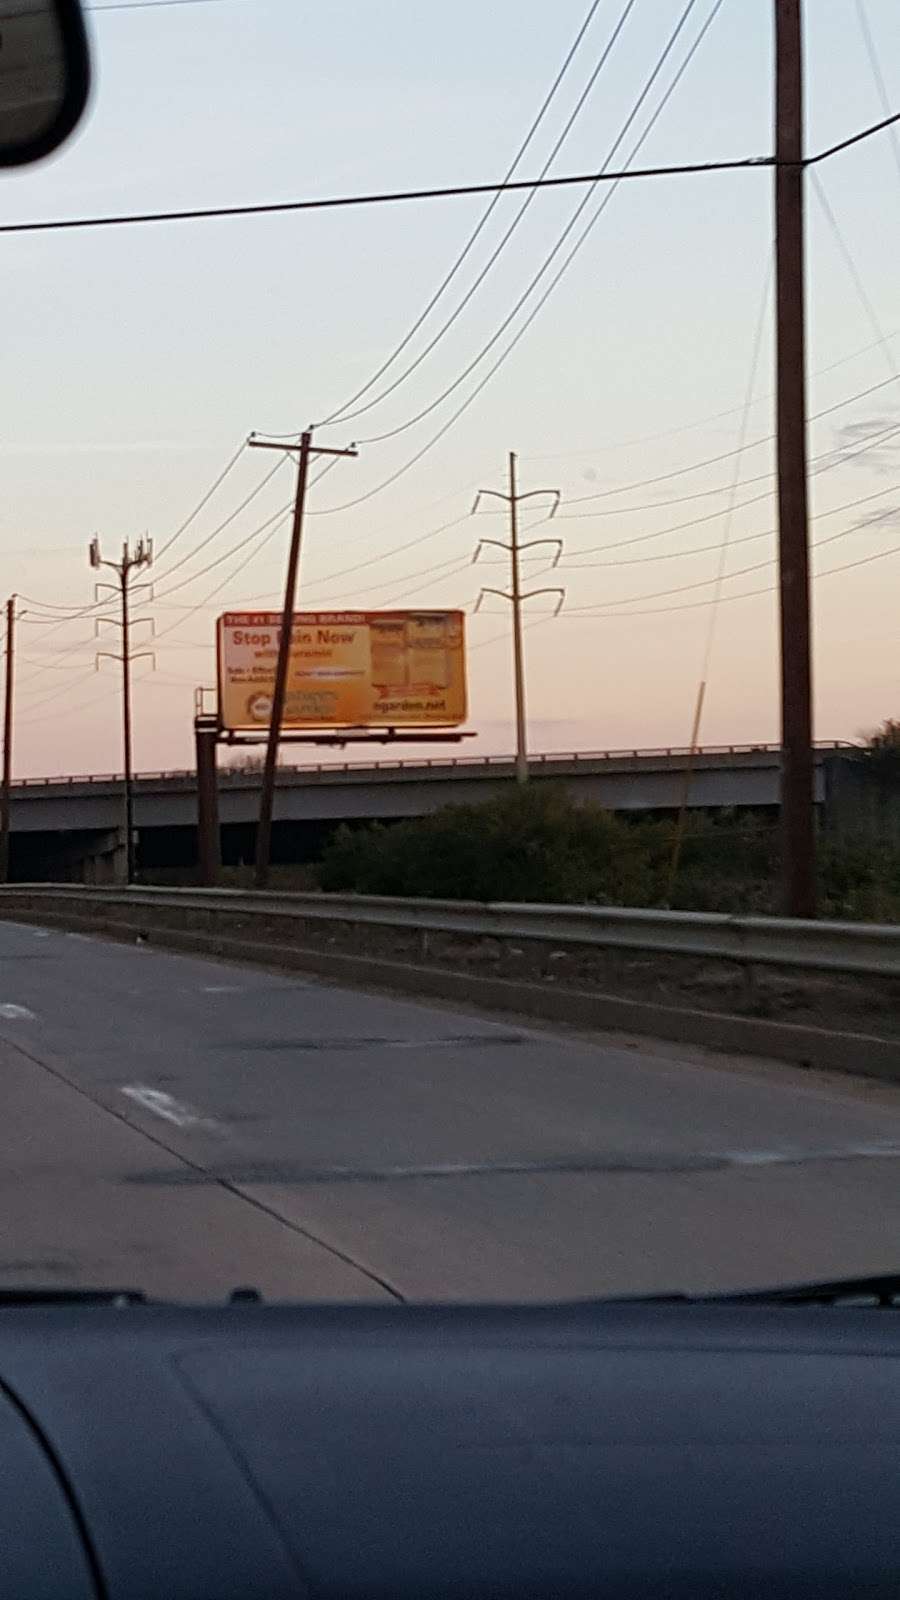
136	360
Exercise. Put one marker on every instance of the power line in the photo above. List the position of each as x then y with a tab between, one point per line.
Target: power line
419	539
704	549
831	462
470	399
727	455
329	577
701	422
444	569
449	192
392	197
277	519
746	594
419	416
701	583
854	138
854	272
152	5
183	560
191	611
877	74
348	415
730	508
226	556
479	227
206	498
61	689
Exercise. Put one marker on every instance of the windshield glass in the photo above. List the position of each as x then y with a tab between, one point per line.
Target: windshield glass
450	812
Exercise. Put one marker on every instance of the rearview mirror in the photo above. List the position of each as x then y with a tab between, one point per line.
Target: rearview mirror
44	76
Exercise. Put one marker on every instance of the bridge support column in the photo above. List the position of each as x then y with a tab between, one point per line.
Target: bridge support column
107	861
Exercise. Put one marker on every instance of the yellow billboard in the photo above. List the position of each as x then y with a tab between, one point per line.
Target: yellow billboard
348	669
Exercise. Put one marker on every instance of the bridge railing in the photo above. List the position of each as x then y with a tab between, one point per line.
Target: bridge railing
417	763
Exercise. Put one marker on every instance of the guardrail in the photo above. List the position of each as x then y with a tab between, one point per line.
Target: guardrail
862	948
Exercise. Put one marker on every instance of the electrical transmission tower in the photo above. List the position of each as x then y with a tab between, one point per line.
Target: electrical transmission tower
514	594
131	562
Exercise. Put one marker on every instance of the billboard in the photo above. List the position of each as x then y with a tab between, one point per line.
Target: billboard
348	669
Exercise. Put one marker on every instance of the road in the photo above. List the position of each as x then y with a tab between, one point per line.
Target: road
185	1126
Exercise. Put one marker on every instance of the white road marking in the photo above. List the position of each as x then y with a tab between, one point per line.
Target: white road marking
166	1106
13	1013
887	1151
222	988
41	933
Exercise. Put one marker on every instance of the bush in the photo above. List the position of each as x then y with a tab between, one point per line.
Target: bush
729	862
536	844
531	843
860	880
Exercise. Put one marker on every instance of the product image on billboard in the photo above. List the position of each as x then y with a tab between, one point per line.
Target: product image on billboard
348	669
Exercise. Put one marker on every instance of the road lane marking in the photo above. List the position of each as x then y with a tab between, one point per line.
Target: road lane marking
222	988
166	1106
13	1013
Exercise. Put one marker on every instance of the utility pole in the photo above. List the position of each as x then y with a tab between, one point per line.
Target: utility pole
132	561
305	450
515	596
6	792
797	777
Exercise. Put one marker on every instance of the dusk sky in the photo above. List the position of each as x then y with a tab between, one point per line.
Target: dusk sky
136	360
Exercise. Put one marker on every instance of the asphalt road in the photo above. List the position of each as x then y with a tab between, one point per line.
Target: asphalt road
183	1126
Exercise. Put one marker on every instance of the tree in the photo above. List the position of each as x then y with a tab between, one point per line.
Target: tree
881	753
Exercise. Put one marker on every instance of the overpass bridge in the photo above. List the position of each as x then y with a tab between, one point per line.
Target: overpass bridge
60	826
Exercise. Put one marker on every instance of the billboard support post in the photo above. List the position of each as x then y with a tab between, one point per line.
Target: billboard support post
304	450
206	735
209	734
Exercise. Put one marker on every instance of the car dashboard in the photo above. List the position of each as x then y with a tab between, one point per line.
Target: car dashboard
255	1452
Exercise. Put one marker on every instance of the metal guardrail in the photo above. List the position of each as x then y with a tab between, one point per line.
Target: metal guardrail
468	763
864	948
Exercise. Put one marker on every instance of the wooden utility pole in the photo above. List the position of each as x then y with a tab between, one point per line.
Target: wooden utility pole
797	777
305	451
515	596
6	792
131	562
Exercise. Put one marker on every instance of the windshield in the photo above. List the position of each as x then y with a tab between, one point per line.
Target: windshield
450	813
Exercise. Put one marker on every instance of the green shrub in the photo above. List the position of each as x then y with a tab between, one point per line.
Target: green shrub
536	844
531	843
859	880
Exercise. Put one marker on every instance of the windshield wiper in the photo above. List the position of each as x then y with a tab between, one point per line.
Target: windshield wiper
72	1297
879	1291
104	1297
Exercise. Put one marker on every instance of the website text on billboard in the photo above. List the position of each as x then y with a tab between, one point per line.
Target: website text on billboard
348	669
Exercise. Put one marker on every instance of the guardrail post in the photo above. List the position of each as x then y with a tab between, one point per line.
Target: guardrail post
208	833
